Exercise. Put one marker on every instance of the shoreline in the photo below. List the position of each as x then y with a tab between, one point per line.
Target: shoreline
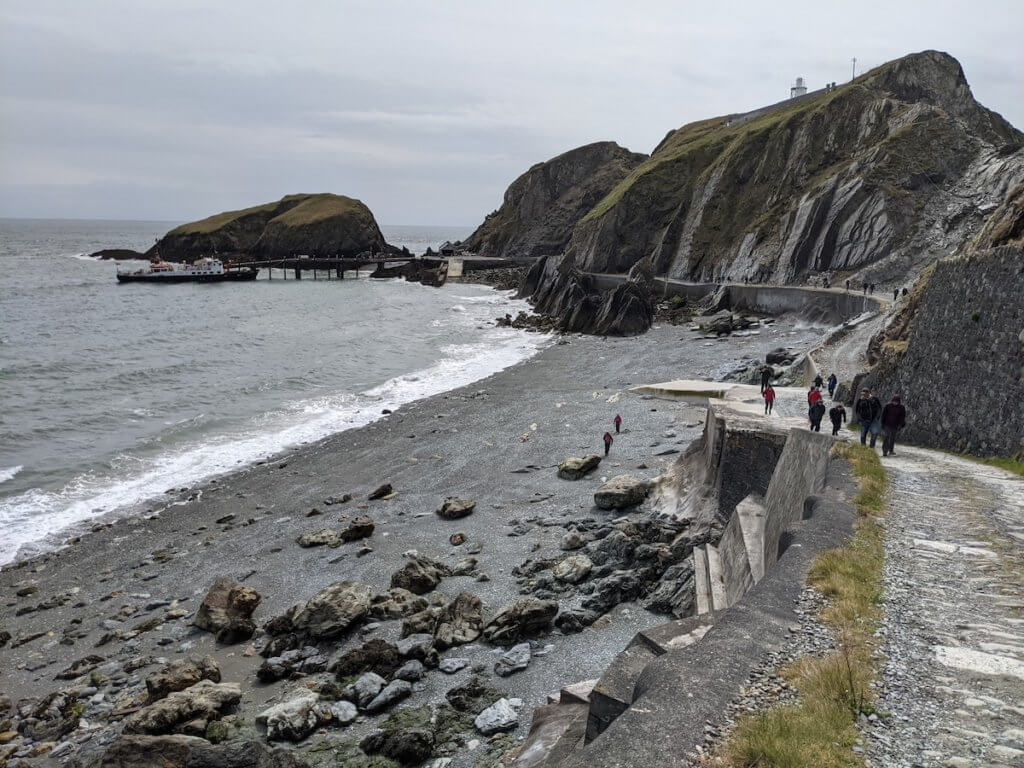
497	441
71	502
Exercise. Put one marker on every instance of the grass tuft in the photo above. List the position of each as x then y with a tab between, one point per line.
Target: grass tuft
834	689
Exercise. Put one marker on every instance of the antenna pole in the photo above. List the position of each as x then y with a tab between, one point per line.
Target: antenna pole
853	75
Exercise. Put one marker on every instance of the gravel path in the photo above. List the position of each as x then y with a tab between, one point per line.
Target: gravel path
953	679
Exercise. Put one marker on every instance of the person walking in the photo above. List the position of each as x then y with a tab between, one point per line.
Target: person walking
895	294
818	381
837	414
869	413
894	418
766	376
871	289
608	439
847	285
833	382
769	399
813	396
618	423
815	414
865	288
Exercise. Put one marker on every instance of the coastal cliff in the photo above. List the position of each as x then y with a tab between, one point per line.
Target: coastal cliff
317	225
542	206
872	181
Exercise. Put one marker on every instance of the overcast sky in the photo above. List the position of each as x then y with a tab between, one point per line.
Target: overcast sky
172	110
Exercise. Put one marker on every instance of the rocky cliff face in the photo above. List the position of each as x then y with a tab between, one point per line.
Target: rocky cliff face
542	206
317	225
871	181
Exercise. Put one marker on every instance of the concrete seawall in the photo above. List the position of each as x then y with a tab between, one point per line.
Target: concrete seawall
830	305
651	704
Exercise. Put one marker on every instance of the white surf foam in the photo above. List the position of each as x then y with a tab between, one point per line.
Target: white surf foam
35	521
8	473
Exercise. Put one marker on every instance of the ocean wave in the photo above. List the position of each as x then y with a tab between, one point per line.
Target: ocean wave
34	520
8	473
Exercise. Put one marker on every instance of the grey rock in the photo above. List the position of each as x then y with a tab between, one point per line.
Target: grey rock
227	609
621	492
502	715
576	468
416	646
455	508
572	569
392	693
524	618
411	671
181	674
451	665
515	659
367	687
205	700
333	610
292	720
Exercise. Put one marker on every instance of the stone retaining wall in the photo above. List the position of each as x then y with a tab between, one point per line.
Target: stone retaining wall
962	374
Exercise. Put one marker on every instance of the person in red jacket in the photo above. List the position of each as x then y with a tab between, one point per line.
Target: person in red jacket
769	399
618	423
607	442
894	418
813	396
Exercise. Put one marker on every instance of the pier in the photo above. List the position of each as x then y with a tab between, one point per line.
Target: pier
329	267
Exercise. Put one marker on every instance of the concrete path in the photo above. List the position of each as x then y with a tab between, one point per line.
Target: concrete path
954	616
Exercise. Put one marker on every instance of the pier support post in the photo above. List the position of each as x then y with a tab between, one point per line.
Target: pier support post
298	273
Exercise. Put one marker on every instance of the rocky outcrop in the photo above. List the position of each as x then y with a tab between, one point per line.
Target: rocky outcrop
227	609
543	205
191	752
314	225
561	290
836	182
871	180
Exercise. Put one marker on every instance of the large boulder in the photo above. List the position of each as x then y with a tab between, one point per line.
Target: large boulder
396	603
181	674
621	492
375	655
204	701
522	619
406	746
457	622
227	610
332	611
292	720
576	468
192	752
420	575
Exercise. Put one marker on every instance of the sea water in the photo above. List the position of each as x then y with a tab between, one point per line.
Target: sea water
112	394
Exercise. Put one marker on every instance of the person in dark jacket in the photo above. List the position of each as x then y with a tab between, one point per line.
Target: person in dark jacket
815	414
608	439
837	415
818	381
618	423
895	294
833	382
894	418
869	413
766	376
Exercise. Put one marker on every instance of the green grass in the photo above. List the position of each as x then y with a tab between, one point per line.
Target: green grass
1015	465
834	689
291	210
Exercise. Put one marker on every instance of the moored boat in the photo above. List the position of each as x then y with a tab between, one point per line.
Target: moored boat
204	270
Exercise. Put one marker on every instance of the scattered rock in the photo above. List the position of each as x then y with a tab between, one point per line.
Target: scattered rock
573	569
365	689
227	609
333	610
396	603
452	665
375	655
408	746
82	666
380	492
325	537
575	468
621	492
420	575
571	540
358	528
513	660
292	720
524	618
455	508
472	696
203	701
392	693
193	752
502	715
457	539
181	674
411	671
